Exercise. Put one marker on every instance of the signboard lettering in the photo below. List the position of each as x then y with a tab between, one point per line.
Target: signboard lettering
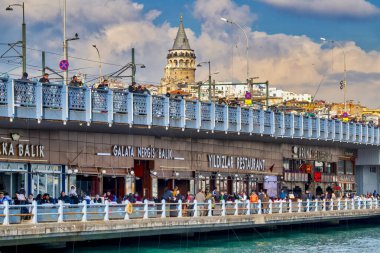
22	150
231	162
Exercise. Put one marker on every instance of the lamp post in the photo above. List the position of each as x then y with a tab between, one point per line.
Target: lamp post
344	69
100	63
246	48
9	8
209	78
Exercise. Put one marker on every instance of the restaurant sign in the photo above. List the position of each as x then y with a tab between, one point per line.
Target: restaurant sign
232	162
142	152
310	154
21	150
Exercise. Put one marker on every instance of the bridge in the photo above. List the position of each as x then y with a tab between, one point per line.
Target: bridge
52	223
54	103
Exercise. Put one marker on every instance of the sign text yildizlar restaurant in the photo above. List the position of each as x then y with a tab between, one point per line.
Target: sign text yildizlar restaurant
142	152
232	162
22	150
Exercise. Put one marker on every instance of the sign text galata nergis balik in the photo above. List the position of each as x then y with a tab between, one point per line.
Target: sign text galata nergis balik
142	152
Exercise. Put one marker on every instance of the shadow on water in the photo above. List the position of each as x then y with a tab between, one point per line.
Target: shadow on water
349	236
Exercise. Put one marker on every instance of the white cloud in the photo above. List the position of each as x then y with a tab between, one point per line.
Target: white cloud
334	8
289	62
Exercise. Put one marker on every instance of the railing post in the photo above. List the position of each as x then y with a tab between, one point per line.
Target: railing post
60	210
280	210
195	208
84	211
250	120
179	208
376	203
145	209
11	99
6	213
223	208
209	208
324	205
238	119
88	104
149	110
345	204
110	106
198	115
308	205
236	207
163	209
331	205
166	111
339	204
290	205
259	207
182	107
359	203
365	204
270	206
126	216
316	205
248	206
107	211
38	101
352	204
130	109
65	103
299	205
371	204
34	212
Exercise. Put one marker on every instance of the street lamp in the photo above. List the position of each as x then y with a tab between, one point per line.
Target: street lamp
100	63
209	78
344	68
9	8
246	49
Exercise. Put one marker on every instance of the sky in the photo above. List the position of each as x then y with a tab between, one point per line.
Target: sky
283	38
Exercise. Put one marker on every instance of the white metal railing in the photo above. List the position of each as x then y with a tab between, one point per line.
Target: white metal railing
61	212
33	100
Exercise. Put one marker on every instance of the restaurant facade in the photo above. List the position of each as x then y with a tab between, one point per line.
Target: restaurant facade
50	161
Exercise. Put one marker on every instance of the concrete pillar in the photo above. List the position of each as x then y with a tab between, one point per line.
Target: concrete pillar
236	207
248	206
308	205
60	211
324	205
146	208
345	204
34	212
352	204
280	203
179	208
223	208
209	208
195	208
163	209
290	206
259	207
270	206
299	205
338	204
6	213
107	211
316	205
84	211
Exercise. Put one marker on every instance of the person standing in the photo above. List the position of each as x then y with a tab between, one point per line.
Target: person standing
45	78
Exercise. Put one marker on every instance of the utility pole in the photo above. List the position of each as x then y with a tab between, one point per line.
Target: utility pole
209	81
43	62
133	66
23	40
65	54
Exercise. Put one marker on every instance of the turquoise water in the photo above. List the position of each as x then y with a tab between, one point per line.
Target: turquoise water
356	237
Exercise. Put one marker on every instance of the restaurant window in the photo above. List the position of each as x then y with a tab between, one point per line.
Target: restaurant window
13	177
372	169
349	168
340	167
318	166
46	179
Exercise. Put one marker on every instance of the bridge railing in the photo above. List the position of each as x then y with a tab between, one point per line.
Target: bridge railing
83	212
33	100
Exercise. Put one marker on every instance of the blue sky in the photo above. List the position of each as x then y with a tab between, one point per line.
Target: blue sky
283	36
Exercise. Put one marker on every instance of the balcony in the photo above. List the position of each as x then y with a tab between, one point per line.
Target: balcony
52	102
